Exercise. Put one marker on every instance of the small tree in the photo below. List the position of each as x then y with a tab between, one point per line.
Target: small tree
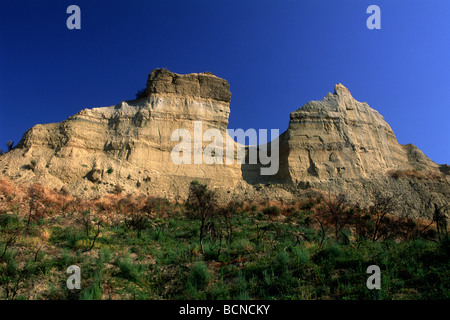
89	223
35	193
85	220
140	94
96	235
227	213
117	189
440	219
10	145
336	211
201	204
139	216
382	206
9	243
138	212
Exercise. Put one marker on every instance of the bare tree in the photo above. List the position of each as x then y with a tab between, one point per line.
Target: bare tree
227	214
323	229
382	206
201	203
440	219
336	211
35	193
85	220
97	233
139	212
9	243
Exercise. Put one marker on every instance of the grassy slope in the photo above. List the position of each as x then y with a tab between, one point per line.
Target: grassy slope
273	254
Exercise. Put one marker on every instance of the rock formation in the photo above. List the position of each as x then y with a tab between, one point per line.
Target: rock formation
130	143
337	144
339	137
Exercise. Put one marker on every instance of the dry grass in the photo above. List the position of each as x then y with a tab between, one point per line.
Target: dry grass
416	174
8	188
113	207
42	202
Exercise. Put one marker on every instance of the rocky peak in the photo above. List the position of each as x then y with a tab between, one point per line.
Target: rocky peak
342	137
341	90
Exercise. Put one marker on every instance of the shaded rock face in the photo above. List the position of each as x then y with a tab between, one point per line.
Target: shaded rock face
336	144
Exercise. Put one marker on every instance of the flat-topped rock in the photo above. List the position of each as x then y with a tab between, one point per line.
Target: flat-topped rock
203	85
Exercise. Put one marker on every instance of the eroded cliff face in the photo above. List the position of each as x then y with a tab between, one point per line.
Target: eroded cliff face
342	145
336	144
339	137
129	144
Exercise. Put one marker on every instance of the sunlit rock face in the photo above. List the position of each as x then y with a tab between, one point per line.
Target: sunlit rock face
339	137
336	145
130	144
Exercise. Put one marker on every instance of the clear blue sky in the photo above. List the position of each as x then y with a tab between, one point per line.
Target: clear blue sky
277	55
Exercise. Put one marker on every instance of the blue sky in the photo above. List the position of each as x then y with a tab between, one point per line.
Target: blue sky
277	55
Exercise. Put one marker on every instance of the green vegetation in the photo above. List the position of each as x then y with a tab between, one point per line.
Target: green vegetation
149	248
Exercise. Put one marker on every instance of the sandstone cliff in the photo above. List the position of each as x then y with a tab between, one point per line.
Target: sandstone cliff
337	144
339	137
128	144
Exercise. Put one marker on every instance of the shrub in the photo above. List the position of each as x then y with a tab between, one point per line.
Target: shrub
199	276
128	270
104	255
7	188
241	287
139	212
66	258
219	291
35	194
68	237
201	203
379	211
141	93
327	255
281	261
272	211
118	189
10	145
336	211
33	164
301	256
8	219
227	215
110	170
92	293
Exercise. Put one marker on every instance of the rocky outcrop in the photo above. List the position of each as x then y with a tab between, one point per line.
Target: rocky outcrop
203	85
339	137
336	144
129	144
341	145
